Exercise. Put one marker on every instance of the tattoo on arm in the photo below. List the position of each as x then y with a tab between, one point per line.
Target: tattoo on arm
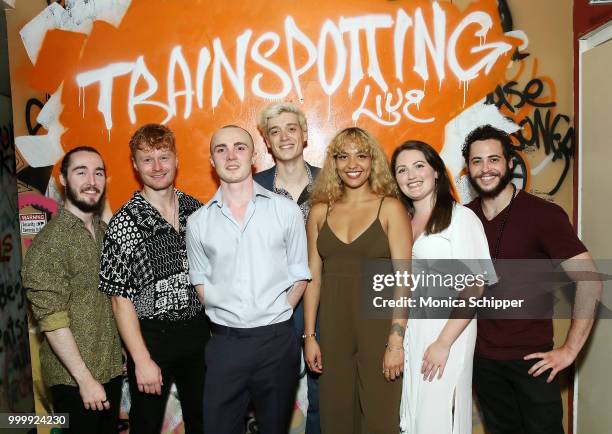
397	329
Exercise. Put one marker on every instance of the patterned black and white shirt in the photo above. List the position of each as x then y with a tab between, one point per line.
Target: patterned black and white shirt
145	260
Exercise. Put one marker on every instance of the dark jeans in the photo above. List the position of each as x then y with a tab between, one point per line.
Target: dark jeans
67	399
514	402
258	364
313	424
178	349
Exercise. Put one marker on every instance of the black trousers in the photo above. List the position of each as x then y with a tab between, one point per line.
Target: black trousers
514	402
178	349
259	364
67	399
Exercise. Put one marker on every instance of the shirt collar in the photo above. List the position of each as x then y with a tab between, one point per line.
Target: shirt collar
308	172
216	199
258	191
69	218
73	221
141	199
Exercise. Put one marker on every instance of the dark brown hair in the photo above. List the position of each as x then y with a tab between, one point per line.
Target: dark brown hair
66	160
444	200
487	132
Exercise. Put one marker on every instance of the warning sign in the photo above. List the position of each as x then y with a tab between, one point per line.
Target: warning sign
31	224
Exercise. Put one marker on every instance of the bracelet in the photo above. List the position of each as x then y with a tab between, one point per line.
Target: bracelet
309	335
393	348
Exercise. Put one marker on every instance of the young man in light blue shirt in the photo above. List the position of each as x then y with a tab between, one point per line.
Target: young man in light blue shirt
248	259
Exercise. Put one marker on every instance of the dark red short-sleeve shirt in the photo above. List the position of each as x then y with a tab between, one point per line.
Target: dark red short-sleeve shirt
535	229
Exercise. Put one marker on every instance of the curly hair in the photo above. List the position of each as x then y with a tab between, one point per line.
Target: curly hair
152	136
487	132
328	187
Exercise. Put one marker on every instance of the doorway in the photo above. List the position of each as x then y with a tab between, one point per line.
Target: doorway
592	383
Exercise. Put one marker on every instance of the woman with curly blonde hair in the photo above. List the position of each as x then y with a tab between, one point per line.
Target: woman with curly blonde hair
329	188
355	217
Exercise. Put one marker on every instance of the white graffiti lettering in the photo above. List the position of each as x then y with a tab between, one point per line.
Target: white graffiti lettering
293	32
329	28
236	76
369	23
410	98
177	59
422	40
334	59
263	61
487	62
105	77
139	71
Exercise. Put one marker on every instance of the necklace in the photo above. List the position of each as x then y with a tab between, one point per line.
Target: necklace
175	220
503	225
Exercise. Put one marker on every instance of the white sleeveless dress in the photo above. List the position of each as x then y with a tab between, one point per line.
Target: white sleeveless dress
427	407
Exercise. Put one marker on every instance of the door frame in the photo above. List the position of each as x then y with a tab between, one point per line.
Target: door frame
587	42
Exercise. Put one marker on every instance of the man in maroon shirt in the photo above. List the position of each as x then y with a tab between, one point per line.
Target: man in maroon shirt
512	354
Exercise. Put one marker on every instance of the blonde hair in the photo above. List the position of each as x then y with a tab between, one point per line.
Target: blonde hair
277	109
328	187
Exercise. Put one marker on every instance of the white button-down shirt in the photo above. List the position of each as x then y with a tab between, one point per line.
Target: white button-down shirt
246	270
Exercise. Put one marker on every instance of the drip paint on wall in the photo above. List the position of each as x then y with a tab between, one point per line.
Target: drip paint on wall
399	69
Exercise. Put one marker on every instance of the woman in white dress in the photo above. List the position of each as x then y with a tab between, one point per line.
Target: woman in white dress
437	385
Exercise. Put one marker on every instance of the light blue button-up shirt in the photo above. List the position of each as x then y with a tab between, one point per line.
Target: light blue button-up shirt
246	270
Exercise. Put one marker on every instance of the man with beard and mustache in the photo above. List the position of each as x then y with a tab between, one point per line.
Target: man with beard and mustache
145	270
512	354
81	355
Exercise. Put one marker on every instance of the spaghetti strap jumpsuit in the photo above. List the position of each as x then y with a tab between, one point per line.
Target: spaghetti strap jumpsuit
354	396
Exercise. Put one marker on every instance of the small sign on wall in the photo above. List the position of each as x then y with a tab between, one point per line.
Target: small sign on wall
31	224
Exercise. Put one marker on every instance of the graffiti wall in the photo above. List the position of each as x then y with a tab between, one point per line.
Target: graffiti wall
400	70
15	369
91	72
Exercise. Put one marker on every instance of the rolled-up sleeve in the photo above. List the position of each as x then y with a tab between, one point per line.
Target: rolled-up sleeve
44	276
297	252
199	265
